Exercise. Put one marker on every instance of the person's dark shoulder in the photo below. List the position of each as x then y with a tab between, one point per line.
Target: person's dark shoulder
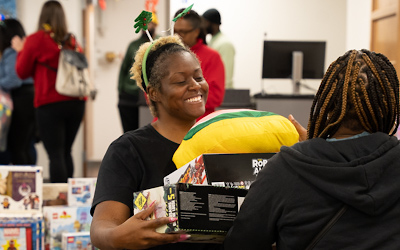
131	136
138	42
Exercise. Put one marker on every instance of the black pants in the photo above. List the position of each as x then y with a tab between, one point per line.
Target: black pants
58	125
129	117
22	128
128	111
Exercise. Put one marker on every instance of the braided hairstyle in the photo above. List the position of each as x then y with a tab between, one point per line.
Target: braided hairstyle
359	91
156	64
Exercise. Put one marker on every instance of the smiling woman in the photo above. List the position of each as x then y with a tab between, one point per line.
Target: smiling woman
172	78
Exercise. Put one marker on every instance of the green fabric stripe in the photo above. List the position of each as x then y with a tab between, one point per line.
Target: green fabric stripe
232	115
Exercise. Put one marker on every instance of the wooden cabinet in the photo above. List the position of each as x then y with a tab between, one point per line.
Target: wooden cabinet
385	33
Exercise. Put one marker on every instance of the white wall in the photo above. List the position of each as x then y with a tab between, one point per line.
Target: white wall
344	24
358	35
28	12
251	22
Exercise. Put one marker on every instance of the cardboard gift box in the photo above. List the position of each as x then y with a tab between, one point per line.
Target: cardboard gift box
21	189
227	170
203	211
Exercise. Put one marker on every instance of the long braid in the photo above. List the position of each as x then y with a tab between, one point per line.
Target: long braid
344	98
360	90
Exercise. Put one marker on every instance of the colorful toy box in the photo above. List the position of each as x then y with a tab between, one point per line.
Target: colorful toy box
205	212
64	219
227	170
21	189
76	241
81	191
21	232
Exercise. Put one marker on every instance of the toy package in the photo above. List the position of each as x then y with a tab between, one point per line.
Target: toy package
81	191
64	219
21	232
74	241
227	170
21	189
55	194
16	238
205	212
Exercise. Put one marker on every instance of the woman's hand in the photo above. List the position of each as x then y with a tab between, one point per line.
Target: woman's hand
143	232
300	129
17	43
113	229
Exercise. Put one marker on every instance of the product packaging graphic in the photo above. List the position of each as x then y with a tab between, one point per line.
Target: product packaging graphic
205	212
64	219
227	170
81	191
21	189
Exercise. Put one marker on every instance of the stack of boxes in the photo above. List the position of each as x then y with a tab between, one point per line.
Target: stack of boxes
69	225
36	215
21	217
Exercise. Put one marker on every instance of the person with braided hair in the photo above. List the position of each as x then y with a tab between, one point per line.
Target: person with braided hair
171	76
338	187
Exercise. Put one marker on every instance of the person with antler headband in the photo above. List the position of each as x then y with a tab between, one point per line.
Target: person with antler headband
171	76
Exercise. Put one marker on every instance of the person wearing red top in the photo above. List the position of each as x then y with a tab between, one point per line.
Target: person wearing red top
189	28
59	117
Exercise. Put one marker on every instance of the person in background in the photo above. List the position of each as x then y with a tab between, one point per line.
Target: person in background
21	134
342	178
189	28
58	116
221	43
128	91
140	159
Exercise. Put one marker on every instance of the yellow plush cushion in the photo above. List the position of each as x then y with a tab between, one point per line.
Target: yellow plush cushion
236	131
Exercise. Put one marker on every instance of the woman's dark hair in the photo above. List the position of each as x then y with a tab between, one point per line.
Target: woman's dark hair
359	91
53	14
196	22
8	29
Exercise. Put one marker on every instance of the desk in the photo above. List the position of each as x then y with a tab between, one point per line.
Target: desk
297	105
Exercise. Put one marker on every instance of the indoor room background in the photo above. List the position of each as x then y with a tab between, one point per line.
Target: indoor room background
343	24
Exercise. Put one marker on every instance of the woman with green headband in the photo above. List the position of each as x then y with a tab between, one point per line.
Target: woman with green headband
171	76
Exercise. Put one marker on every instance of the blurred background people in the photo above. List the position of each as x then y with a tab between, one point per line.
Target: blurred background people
189	28
21	133
128	91
58	116
221	43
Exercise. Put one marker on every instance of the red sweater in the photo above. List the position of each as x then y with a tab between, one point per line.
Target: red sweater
39	49
214	73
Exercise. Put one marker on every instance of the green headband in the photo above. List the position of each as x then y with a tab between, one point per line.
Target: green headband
141	22
146	81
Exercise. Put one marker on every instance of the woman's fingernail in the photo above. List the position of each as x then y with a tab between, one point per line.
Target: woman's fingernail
152	203
171	219
184	237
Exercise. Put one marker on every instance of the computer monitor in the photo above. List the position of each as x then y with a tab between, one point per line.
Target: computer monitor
294	59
